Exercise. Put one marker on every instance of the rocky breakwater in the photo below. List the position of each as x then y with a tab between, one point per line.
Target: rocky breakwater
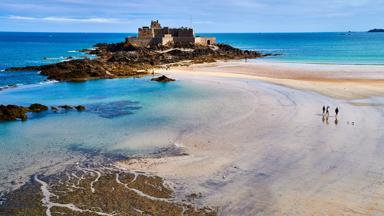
125	60
14	112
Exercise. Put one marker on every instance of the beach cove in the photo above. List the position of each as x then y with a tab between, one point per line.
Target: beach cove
240	138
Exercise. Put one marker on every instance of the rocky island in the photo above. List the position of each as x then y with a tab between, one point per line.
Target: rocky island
154	47
376	30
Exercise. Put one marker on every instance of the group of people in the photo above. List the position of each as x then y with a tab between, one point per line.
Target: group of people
326	114
326	111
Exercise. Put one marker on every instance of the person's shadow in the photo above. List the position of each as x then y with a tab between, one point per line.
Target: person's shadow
325	119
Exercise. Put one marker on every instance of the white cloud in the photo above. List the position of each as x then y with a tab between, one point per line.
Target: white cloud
67	19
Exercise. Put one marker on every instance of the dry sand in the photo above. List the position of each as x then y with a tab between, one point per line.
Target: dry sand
353	81
278	156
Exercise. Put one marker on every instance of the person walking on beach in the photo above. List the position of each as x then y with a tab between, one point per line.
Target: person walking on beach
337	111
323	110
327	112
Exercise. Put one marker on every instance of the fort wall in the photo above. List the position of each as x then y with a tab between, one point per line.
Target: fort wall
205	41
167	40
157	35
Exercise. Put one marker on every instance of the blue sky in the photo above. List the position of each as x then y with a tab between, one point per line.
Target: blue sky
203	15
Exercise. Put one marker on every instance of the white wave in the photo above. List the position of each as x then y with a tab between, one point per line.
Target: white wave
48	82
2	70
53	58
73	51
10	86
20	85
69	59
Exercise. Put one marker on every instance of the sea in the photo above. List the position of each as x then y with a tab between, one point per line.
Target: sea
24	49
130	116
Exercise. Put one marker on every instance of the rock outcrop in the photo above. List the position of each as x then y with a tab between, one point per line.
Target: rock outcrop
125	60
66	107
80	108
37	108
163	79
14	112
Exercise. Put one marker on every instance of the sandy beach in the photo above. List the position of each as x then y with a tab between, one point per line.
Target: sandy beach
353	81
277	155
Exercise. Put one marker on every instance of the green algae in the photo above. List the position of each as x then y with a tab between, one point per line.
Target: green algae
98	191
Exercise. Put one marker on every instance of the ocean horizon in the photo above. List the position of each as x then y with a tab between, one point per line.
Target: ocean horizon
19	49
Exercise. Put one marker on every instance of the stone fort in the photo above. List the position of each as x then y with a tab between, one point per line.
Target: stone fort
157	35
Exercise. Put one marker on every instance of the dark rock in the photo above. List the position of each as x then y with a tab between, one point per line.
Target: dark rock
37	108
163	79
66	107
376	30
54	109
13	112
80	108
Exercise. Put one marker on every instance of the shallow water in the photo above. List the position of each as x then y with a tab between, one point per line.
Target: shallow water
124	117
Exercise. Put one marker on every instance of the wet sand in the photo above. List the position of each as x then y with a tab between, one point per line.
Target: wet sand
278	156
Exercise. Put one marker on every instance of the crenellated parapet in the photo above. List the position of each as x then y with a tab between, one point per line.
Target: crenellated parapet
165	36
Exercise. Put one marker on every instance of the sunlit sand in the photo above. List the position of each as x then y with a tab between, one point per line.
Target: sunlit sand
277	155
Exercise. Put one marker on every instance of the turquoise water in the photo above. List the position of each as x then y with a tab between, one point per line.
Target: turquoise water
115	109
23	49
14	79
124	117
319	48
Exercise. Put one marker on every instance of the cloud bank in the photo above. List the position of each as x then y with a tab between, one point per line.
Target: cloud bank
203	15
